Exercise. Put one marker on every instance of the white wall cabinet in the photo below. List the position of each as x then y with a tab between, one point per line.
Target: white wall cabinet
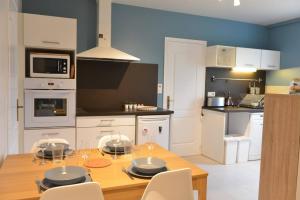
220	56
91	129
255	135
34	135
247	57
213	133
229	57
270	60
50	32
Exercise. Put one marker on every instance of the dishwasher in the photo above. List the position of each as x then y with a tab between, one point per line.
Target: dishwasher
153	128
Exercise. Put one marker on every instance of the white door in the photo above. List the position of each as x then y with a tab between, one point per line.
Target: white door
13	132
184	86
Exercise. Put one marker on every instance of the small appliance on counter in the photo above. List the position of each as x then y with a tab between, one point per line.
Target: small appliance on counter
253	101
229	101
215	101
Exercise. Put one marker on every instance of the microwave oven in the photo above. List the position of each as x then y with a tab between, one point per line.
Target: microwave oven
49	65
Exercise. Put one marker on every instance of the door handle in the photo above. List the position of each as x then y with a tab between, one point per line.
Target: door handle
169	100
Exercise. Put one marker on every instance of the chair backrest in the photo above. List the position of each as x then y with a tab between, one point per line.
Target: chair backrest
170	185
104	139
83	191
36	145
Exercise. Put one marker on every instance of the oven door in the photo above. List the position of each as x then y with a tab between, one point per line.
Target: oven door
49	65
49	108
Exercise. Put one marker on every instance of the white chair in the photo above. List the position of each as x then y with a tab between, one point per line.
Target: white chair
35	146
171	185
104	139
82	191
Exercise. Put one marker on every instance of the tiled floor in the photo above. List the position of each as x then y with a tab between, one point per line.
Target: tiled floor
230	182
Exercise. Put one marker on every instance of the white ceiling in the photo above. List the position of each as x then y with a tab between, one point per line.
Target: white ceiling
263	12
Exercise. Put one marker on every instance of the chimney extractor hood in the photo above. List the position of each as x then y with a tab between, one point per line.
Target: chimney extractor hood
104	51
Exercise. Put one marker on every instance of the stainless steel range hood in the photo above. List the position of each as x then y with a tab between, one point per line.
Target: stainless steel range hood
104	51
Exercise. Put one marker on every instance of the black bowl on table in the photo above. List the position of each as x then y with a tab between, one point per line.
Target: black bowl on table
148	165
48	148
118	145
65	175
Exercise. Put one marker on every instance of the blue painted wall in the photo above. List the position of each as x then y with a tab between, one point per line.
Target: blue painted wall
285	37
141	31
85	11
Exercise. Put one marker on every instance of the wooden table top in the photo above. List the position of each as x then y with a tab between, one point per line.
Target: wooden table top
18	172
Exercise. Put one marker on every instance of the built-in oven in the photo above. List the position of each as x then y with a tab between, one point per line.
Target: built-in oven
50	108
49	65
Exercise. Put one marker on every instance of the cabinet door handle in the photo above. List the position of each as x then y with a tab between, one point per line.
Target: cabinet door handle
106	131
50	134
50	42
153	120
249	65
271	66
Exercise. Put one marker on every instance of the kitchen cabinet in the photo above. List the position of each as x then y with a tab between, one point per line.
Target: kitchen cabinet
270	60
280	168
247	57
50	32
34	135
220	56
91	129
91	135
255	135
213	133
223	131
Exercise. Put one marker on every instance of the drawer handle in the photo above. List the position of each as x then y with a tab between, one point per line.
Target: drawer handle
50	134
153	120
107	120
106	131
50	42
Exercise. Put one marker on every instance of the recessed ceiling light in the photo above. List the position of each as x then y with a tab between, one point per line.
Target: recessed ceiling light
236	3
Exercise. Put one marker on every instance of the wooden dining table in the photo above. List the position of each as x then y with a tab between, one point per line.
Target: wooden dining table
19	172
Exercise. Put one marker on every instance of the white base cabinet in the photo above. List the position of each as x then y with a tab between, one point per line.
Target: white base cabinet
91	129
92	135
255	135
33	135
213	133
245	136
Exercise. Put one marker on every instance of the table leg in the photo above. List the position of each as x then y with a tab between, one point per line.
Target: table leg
201	187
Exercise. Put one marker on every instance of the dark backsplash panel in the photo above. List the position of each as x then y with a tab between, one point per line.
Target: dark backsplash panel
238	89
105	85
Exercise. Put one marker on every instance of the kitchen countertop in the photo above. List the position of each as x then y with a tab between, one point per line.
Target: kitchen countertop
229	109
94	112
